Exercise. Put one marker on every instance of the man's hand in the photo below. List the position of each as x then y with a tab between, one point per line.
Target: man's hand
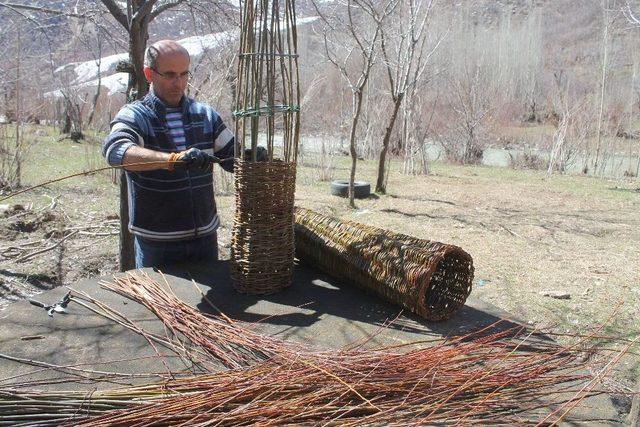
261	154
191	159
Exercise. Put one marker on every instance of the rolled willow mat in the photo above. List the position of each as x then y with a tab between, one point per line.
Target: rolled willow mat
262	239
431	279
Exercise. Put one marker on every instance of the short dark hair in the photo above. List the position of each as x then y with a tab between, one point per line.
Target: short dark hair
151	56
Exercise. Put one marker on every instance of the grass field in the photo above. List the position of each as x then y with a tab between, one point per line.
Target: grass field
527	233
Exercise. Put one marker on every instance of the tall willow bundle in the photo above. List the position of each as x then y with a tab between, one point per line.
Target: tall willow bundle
268	100
431	279
494	378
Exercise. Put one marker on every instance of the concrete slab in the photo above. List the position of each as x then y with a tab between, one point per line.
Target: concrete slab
315	310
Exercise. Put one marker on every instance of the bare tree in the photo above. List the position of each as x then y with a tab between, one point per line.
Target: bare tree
633	17
472	104
72	113
556	156
92	37
135	20
606	24
632	13
633	97
20	74
18	108
405	63
353	53
415	131
11	146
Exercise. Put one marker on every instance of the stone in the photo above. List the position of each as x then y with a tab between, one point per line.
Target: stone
556	294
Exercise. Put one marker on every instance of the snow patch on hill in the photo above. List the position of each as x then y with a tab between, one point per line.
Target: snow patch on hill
87	74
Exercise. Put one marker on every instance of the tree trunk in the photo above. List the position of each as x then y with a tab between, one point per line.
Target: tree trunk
468	146
137	88
95	98
409	143
605	54
380	184
18	156
76	123
352	145
137	44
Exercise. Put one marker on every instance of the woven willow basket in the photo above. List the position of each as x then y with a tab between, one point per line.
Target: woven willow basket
262	241
429	278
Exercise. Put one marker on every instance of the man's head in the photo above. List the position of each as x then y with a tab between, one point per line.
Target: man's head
166	67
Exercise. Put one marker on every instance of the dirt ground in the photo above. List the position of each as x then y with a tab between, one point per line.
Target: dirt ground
528	234
45	247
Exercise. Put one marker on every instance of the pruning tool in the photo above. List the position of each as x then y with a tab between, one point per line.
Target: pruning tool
212	159
59	307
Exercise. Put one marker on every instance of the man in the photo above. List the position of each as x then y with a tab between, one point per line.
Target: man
165	142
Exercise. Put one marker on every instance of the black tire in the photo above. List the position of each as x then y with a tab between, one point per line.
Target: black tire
361	189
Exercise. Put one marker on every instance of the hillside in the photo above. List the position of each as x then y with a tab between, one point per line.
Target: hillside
529	54
566	22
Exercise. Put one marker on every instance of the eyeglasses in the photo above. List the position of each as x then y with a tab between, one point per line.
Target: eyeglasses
174	76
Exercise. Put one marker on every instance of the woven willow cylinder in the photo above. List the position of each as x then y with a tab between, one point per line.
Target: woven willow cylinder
428	278
262	240
266	145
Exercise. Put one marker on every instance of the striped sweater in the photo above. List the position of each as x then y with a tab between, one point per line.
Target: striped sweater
166	205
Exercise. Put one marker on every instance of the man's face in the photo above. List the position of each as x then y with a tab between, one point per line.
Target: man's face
169	77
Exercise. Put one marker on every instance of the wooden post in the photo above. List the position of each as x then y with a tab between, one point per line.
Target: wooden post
634	415
127	254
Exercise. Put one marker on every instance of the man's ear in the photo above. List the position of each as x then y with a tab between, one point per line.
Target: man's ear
147	73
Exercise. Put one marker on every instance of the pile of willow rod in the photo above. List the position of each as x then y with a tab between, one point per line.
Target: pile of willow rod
429	278
268	99
488	377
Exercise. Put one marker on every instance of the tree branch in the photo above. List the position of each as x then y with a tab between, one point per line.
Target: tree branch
323	18
144	10
630	15
161	8
41	9
387	63
116	12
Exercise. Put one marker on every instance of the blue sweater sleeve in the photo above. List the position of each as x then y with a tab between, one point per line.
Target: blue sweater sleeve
227	153
223	142
124	134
